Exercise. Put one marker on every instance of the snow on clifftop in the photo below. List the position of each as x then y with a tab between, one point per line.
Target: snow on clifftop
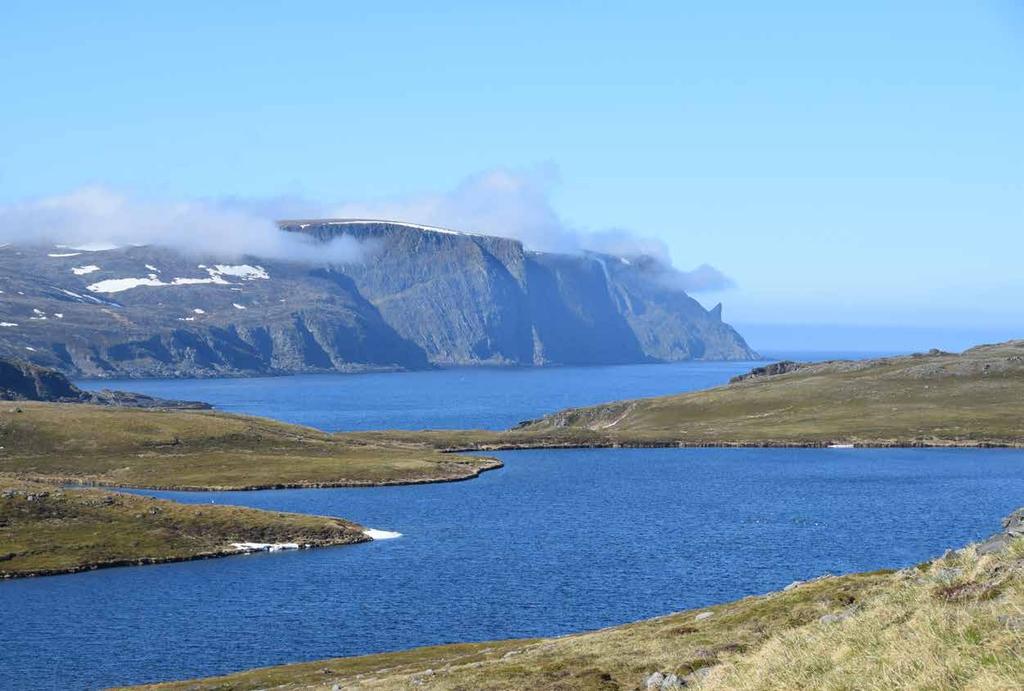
367	221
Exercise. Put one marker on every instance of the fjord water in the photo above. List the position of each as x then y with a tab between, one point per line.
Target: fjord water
469	398
555	542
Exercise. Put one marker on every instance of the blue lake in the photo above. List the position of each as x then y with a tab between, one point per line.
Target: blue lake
555	542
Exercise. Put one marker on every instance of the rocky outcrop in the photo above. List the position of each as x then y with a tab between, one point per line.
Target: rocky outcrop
1013	527
420	297
23	381
774	369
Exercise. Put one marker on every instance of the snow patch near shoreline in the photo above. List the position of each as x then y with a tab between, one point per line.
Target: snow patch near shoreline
264	546
374	534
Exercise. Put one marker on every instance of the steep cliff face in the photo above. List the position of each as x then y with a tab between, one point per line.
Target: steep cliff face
469	299
421	297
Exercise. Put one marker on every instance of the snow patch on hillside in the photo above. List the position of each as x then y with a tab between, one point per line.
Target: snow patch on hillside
117	285
242	271
215	275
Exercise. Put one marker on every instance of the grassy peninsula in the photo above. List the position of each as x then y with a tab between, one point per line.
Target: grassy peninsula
203	450
931	399
956	622
47	529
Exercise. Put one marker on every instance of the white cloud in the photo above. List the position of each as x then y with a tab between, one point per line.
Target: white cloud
502	201
517	204
95	216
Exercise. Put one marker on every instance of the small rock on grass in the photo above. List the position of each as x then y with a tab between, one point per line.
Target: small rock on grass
663	682
654	681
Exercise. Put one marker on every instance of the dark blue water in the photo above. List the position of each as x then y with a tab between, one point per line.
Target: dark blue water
557	541
471	398
465	398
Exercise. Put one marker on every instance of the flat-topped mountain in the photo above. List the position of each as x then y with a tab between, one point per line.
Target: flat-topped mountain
421	296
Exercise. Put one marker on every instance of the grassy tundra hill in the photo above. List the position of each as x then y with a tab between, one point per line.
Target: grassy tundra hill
972	399
46	529
204	450
954	623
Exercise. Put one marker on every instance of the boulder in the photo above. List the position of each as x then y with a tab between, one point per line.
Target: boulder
654	680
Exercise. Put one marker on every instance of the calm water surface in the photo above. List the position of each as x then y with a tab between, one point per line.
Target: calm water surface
557	541
471	398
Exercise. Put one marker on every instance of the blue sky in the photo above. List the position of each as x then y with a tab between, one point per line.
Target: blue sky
857	164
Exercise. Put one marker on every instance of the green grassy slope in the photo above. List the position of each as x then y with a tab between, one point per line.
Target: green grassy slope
204	450
975	398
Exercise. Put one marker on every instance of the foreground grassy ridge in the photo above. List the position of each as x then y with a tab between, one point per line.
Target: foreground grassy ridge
205	450
975	398
954	623
46	529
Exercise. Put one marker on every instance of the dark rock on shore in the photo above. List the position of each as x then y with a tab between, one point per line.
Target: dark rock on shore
23	381
1013	527
771	370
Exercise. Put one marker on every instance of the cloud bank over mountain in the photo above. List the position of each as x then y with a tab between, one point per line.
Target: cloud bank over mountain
100	216
501	201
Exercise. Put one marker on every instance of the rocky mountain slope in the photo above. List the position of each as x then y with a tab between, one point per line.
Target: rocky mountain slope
421	297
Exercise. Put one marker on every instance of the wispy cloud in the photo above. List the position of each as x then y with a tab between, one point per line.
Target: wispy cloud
98	215
517	204
704	278
507	202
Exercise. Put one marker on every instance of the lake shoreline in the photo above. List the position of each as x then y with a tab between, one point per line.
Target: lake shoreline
472	473
619	444
153	561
